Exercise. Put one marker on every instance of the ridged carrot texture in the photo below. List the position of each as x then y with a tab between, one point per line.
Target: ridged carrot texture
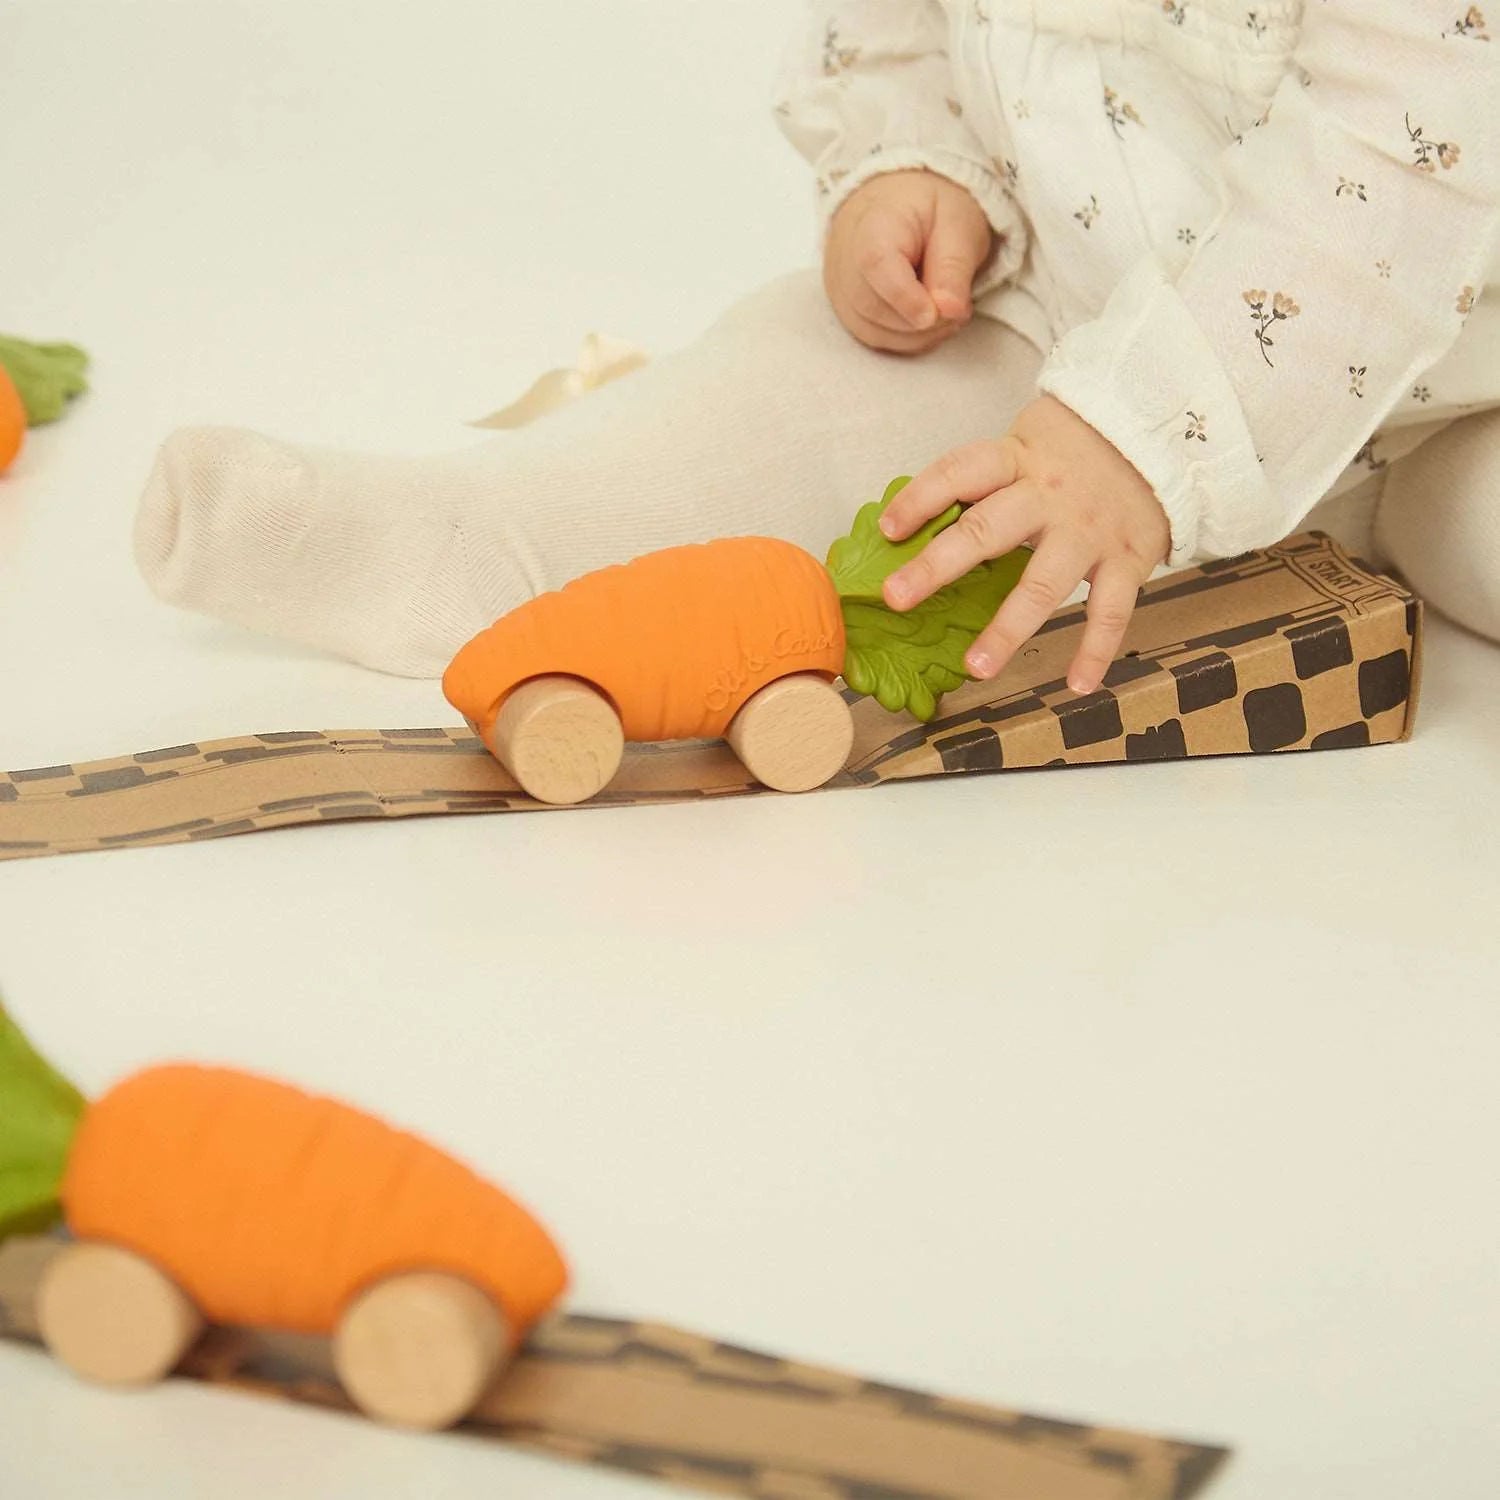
678	640
268	1206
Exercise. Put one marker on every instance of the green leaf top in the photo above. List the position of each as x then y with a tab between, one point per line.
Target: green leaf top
47	376
860	562
39	1111
907	659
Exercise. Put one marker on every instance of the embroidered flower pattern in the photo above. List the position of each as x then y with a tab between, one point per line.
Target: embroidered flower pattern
1349	188
1089	212
1023	109
1471	25
1238	136
1010	171
1175	10
1357	381
1383	269
1446	152
1366	456
1187	236
1117	113
1282	308
1421	393
1195	428
836	58
954	108
1255	23
1465	303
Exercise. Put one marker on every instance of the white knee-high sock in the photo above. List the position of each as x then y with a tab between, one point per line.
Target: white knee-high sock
1439	521
776	422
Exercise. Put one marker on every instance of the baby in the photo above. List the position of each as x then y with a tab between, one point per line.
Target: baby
1136	281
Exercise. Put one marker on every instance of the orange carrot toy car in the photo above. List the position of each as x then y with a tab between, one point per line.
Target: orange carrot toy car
741	638
207	1195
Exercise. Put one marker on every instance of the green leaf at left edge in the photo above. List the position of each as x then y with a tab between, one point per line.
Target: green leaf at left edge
46	376
908	659
39	1112
860	562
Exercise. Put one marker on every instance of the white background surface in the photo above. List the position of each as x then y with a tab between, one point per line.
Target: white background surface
1161	1096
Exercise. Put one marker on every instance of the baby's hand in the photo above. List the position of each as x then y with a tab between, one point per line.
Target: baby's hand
900	260
1055	482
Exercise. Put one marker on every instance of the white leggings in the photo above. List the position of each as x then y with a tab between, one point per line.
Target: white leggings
774	422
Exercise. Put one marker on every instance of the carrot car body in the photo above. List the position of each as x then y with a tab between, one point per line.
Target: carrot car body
678	640
273	1208
208	1195
741	638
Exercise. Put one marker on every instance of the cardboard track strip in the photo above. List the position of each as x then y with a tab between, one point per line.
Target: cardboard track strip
1298	647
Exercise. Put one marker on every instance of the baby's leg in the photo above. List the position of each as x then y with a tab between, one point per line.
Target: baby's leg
776	422
1439	521
1349	517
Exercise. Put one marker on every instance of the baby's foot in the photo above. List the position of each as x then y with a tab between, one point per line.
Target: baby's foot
362	556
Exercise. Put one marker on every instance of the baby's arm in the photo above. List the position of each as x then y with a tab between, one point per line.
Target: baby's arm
1359	218
909	205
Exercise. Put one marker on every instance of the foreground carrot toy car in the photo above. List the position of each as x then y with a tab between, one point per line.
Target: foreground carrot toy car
741	638
208	1195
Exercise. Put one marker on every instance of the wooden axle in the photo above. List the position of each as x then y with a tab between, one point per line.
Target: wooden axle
794	734
419	1349
112	1317
561	738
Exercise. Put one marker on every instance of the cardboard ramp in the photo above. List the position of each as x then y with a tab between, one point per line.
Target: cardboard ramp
676	1406
1296	647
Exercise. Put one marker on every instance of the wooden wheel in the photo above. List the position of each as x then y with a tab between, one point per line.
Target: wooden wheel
419	1349
794	734
111	1316
560	738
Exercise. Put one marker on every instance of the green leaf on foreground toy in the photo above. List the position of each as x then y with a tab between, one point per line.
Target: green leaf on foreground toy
39	1111
47	376
909	659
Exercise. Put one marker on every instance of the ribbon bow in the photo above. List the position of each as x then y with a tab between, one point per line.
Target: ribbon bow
601	360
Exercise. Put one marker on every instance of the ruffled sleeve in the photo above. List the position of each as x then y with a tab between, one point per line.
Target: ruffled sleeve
1357	221
867	87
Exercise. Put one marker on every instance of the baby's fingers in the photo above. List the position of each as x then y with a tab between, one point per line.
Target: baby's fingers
892	278
966	474
875	322
989	529
1055	570
1112	596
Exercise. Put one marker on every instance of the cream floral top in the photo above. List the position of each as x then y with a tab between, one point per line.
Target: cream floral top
1258	245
